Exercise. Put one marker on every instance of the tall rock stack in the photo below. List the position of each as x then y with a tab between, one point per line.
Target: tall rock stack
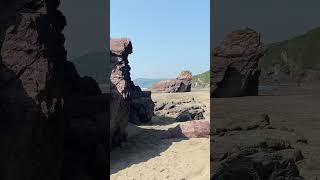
31	76
120	89
181	84
234	65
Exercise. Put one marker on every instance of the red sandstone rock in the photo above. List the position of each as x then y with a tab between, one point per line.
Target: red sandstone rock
191	129
181	84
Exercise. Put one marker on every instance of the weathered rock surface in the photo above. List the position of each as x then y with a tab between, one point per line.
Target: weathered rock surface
52	120
254	150
184	110
141	106
120	89
181	84
235	65
31	79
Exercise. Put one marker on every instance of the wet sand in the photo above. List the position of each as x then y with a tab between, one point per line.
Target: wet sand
288	107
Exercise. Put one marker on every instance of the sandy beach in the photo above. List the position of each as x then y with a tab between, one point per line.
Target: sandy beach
147	156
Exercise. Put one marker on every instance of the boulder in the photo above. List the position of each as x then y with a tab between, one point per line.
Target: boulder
141	107
234	65
190	129
182	110
32	56
181	84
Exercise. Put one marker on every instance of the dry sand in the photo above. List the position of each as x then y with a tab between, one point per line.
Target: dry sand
146	156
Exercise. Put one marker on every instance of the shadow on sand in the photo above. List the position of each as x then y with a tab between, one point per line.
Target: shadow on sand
143	145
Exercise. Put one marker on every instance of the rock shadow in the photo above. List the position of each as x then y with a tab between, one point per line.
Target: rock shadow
30	136
144	145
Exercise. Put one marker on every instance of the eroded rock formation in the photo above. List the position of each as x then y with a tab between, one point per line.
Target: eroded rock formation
31	90
181	84
235	65
120	89
128	102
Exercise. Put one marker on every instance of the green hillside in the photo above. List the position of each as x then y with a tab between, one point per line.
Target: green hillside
293	56
201	80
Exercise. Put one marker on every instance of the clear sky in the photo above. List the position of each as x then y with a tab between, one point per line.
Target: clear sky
168	36
276	20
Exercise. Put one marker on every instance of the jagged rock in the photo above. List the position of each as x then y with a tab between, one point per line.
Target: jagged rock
235	65
31	76
120	89
190	115
181	84
258	152
185	116
78	86
141	107
183	110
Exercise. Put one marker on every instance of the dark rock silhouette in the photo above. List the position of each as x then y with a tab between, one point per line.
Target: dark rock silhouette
234	65
53	122
181	84
141	106
85	115
31	90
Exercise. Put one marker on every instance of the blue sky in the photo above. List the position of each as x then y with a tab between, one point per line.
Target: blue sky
168	36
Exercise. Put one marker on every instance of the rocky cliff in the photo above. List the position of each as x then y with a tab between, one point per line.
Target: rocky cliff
31	85
235	65
201	80
295	60
47	130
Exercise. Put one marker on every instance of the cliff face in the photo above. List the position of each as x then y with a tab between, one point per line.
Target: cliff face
31	66
53	122
295	60
235	65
